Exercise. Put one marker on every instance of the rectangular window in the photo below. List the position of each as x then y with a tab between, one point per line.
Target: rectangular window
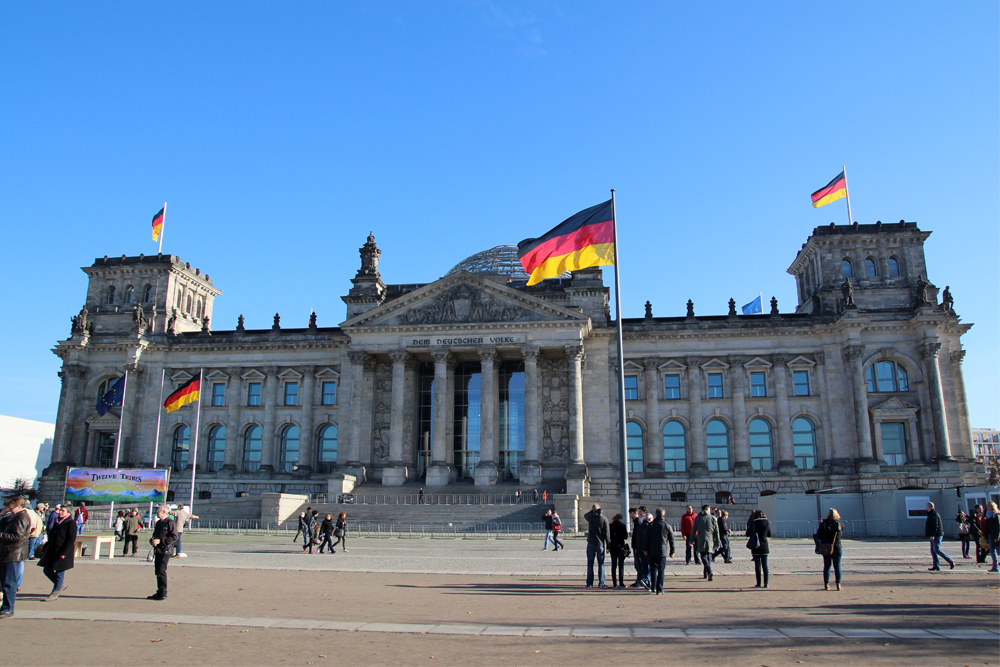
218	394
715	385
672	386
894	443
801	380
329	393
291	393
758	387
631	388
253	393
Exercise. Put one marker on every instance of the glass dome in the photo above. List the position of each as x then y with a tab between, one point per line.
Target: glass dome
497	261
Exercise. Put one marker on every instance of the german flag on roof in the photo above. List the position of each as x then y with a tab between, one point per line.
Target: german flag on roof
187	393
581	241
832	191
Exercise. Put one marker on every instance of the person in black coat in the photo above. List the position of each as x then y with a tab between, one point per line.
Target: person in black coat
163	539
59	551
829	533
760	528
326	533
934	531
991	527
616	547
598	536
658	544
638	517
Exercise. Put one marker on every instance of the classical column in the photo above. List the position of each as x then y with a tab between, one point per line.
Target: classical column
486	470
964	449
878	451
267	452
741	442
786	454
127	453
653	440
395	473
366	410
68	401
913	443
306	439
853	355
824	445
929	354
234	404
353	445
439	471
531	468
698	455
575	356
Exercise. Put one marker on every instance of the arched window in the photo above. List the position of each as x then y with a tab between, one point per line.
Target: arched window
289	449
674	447
894	267
717	444
327	449
182	444
886	376
147	294
846	268
216	448
761	452
871	269
251	448
111	295
129	294
633	446
804	443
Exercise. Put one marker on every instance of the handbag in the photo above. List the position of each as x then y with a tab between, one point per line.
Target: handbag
754	541
963	528
338	532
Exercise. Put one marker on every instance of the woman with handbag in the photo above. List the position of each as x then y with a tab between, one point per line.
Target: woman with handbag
962	520
58	555
758	530
340	532
556	529
829	534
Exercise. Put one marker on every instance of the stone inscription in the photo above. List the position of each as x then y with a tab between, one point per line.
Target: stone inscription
448	341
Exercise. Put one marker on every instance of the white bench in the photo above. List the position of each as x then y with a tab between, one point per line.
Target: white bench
94	542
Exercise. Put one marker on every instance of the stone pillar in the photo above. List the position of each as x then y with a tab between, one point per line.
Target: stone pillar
531	468
68	402
356	379
964	449
234	401
439	473
396	472
306	439
786	454
653	440
576	471
366	411
267	450
127	453
878	452
912	440
865	459
824	436
741	441
929	354
486	471
698	454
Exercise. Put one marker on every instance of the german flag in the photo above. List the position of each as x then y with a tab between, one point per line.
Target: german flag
581	241
832	191
158	223
188	393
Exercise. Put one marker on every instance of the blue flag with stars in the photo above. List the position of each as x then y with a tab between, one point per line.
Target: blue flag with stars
112	397
755	307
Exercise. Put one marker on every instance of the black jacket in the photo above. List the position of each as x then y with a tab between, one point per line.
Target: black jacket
638	529
763	529
14	538
59	549
619	536
165	531
993	527
830	532
658	539
548	521
598	532
933	527
326	527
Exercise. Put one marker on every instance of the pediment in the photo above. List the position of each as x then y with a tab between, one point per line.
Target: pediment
894	405
216	374
714	364
181	377
327	373
757	362
672	365
801	362
633	366
463	298
290	374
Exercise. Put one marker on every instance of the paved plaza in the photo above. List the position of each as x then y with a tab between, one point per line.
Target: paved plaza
260	600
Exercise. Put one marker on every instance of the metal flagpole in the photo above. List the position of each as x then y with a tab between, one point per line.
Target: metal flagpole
118	442
847	191
622	449
197	426
163	228
156	440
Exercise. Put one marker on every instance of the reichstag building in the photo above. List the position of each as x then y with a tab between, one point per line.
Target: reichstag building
476	380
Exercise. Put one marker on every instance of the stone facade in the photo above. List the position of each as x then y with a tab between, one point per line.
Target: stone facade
477	379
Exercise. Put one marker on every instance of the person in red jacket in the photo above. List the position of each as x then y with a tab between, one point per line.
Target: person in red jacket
687	523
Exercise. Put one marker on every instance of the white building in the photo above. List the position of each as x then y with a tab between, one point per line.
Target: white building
25	449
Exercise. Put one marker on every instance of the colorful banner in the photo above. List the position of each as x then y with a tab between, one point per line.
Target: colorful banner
116	485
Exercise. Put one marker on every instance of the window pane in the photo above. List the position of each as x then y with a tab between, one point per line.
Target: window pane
674	447
901	380
757	385
804	443
182	442
289	449
885	371
760	445
216	448
715	385
893	266
717	441
291	393
672	384
329	393
631	388
252	449
633	445
894	443
801	380
870	269
328	444
218	394
253	393
846	268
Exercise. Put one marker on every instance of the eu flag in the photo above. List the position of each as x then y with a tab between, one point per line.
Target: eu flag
755	307
112	397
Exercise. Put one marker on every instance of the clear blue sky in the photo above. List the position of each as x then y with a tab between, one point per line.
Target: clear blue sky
281	133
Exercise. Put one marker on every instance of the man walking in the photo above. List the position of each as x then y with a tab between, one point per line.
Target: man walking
164	536
598	536
934	531
81	517
724	533
687	523
658	541
706	537
547	518
13	552
183	516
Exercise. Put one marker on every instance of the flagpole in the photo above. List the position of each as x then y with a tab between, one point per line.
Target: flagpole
118	441
159	414
197	426
847	191
622	448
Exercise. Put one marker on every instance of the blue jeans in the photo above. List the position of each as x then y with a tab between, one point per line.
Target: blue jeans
641	568
994	550
55	577
8	582
832	559
760	568
595	551
657	565
706	562
177	544
936	551
32	543
548	538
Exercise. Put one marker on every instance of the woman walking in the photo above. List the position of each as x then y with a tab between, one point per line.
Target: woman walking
119	524
556	528
758	530
58	556
992	533
962	520
326	531
340	532
829	533
619	537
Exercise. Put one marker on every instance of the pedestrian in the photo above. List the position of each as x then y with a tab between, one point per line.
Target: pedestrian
534	495
638	516
301	526
830	544
340	532
326	531
81	517
13	552
37	529
181	516
545	496
731	501
934	531
617	546
517	497
58	555
992	531
658	543
706	539
687	522
131	525
119	523
977	531
758	530
724	532
962	520
547	519
420	496
598	536
306	523
164	536
556	529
